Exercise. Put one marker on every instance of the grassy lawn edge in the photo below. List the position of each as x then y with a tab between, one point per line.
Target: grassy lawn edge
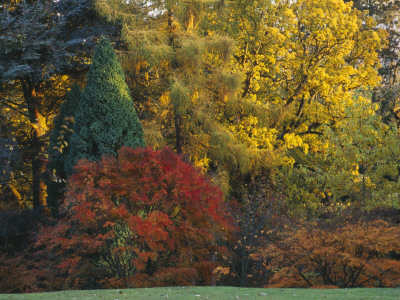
217	293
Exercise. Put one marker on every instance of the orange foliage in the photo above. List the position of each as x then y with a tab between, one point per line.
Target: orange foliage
343	255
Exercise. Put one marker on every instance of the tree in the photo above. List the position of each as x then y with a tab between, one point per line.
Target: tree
106	118
301	62
344	254
178	71
358	164
40	42
23	46
142	218
260	213
298	71
386	15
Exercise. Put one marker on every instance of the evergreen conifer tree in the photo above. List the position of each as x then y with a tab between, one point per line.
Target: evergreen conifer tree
106	118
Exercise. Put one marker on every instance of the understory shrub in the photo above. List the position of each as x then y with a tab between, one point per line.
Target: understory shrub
257	216
20	268
343	254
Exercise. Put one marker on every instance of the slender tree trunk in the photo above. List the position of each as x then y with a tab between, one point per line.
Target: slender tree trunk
370	11
34	101
177	117
178	133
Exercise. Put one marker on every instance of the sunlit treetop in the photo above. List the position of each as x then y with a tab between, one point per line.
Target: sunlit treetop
300	62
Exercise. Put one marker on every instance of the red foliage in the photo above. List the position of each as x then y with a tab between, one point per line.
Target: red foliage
20	273
344	255
144	218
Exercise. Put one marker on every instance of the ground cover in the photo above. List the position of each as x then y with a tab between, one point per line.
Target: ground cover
216	293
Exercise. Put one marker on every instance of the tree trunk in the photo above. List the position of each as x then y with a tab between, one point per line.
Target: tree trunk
34	101
177	117
178	133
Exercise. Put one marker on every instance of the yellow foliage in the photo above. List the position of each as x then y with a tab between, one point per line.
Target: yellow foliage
303	59
356	162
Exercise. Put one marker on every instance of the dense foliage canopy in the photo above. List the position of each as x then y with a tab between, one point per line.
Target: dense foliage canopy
143	218
284	113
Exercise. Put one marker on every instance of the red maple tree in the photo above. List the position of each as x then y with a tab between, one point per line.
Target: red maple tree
144	218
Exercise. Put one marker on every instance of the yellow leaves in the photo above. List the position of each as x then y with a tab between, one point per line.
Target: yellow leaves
202	163
319	193
249	132
288	13
165	99
370	22
288	161
41	125
302	49
318	14
64	78
275	34
294	141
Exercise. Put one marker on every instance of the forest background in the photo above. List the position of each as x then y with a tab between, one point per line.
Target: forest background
283	120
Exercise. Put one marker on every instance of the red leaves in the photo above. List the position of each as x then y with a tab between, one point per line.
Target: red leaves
22	274
69	264
144	211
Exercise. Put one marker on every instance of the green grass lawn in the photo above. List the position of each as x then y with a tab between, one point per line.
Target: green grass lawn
217	293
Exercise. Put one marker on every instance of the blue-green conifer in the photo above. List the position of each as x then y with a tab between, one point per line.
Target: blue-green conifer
106	118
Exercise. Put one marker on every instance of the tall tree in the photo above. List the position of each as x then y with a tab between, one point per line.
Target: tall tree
301	61
27	56
178	70
41	40
106	118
